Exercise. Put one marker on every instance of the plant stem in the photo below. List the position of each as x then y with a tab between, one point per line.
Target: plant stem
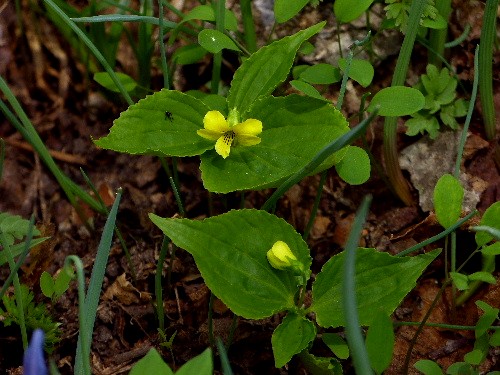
393	169
437	38
354	336
248	25
488	36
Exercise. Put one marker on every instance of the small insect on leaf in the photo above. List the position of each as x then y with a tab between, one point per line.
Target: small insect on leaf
168	115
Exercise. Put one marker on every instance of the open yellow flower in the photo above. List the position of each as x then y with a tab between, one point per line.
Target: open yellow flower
227	134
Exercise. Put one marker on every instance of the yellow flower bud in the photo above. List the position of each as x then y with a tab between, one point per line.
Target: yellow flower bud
280	256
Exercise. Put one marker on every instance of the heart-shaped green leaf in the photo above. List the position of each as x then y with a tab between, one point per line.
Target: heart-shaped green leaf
381	281
295	129
104	79
230	252
348	10
491	218
164	123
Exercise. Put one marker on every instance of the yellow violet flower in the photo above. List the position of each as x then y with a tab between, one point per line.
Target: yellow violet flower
280	256
229	132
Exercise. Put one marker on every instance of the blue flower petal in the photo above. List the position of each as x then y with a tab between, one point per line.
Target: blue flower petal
34	361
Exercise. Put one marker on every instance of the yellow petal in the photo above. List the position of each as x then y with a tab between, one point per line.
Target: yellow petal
209	134
223	144
248	127
247	140
215	121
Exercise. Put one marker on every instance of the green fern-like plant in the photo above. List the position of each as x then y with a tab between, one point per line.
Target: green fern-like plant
441	103
14	229
398	12
36	316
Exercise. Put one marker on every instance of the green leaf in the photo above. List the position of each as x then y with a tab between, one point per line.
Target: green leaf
291	337
320	365
62	280
14	227
336	344
382	281
202	364
144	127
460	368
190	54
230	252
19	248
262	72
493	249
495	338
428	367
295	129
47	284
104	79
483	276
354	168
397	101
307	89
486	320
460	280
206	13
286	9
490	218
214	41
448	198
380	342
420	124
321	74
360	70
348	10
151	363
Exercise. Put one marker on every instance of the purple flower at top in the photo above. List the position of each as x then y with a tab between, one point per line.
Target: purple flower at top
34	361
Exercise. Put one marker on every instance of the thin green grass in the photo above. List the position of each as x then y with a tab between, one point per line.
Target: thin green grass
88	309
354	335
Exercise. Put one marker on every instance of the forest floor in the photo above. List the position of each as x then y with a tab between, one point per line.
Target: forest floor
68	109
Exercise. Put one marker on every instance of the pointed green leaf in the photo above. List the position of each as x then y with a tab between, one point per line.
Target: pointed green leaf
380	342
151	363
262	72
348	10
291	337
295	129
493	249
214	41
230	252
448	198
397	101
336	344
286	9
486	320
321	74
202	364
360	70
307	89
145	127
483	276
490	218
460	280
354	168
104	79
47	284
428	367
382	281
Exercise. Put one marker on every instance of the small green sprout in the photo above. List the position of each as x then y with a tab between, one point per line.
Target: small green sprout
230	132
